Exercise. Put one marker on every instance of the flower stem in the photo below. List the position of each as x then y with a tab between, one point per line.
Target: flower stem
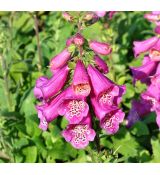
6	84
38	42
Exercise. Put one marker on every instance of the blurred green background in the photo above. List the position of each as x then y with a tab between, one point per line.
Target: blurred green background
30	38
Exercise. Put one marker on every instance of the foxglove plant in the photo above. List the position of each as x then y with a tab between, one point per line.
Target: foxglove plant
89	88
148	73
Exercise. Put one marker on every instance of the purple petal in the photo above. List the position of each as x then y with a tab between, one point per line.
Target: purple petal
137	111
79	135
144	71
74	110
55	83
80	82
110	123
100	13
60	60
144	46
100	64
100	48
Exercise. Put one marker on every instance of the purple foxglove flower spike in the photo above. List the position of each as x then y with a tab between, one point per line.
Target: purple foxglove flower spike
100	48
104	89
74	109
138	110
60	60
78	39
143	46
80	134
52	86
100	64
39	82
80	82
144	71
100	13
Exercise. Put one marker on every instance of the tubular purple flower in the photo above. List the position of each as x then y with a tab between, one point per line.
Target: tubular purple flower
52	86
138	110
144	71
80	134
100	64
80	82
39	82
106	92
100	48
49	111
78	39
143	46
60	60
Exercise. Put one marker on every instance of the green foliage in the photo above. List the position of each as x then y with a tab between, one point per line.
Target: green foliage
20	138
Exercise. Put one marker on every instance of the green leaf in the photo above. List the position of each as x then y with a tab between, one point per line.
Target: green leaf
30	154
156	150
140	129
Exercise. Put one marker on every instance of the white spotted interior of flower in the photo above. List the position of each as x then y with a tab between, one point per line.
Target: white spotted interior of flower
82	89
80	133
106	98
108	123
76	107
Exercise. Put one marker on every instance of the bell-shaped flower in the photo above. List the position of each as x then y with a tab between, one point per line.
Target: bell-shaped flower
60	60
80	83
50	87
109	118
144	71
106	92
79	134
144	46
138	110
100	48
74	108
100	64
